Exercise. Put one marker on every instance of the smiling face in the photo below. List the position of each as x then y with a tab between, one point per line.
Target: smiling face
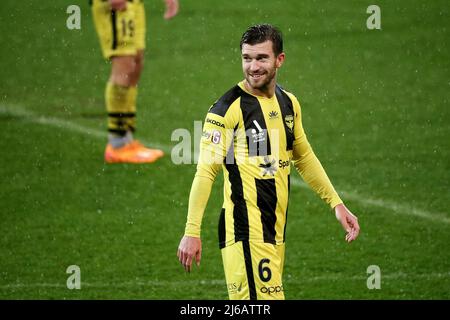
260	65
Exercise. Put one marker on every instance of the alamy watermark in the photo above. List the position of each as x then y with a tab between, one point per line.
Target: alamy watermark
226	146
74	280
374	20
374	279
74	19
73	22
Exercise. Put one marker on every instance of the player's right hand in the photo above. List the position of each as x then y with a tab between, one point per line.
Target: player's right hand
348	221
188	249
118	5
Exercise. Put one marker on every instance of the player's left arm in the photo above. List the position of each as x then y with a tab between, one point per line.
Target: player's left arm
312	171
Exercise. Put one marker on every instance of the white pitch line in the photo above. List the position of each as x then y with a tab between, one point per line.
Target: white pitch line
393	276
395	207
64	124
384	204
219	282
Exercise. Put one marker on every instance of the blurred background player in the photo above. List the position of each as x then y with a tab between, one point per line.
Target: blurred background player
120	25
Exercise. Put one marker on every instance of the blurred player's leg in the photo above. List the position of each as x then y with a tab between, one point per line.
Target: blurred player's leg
122	38
139	66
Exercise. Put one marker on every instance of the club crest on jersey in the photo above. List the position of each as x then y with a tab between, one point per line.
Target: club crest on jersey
268	167
289	121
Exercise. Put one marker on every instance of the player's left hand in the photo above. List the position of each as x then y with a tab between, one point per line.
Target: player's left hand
348	221
171	9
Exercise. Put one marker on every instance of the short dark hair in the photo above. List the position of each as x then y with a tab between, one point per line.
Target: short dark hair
262	32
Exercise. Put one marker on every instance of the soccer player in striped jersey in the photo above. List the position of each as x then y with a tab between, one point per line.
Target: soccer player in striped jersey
254	132
121	28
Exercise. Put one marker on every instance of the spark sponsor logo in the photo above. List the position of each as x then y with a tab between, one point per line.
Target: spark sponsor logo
268	167
283	164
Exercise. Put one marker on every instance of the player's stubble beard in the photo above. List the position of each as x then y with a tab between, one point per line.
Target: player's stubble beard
263	85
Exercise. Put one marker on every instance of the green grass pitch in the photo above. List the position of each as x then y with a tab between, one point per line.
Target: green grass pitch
375	106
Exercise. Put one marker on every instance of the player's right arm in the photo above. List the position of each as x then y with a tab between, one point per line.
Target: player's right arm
190	246
118	5
216	138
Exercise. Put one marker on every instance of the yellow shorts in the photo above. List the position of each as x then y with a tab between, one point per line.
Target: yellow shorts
254	271
121	33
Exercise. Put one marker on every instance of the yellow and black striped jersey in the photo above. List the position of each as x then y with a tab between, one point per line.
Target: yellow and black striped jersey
254	139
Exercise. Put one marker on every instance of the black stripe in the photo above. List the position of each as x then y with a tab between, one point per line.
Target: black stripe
266	199
287	208
249	270
286	110
229	159
221	106
222	229
251	111
119	132
114	29
121	114
240	213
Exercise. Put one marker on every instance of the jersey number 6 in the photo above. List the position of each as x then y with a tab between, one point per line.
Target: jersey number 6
265	274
